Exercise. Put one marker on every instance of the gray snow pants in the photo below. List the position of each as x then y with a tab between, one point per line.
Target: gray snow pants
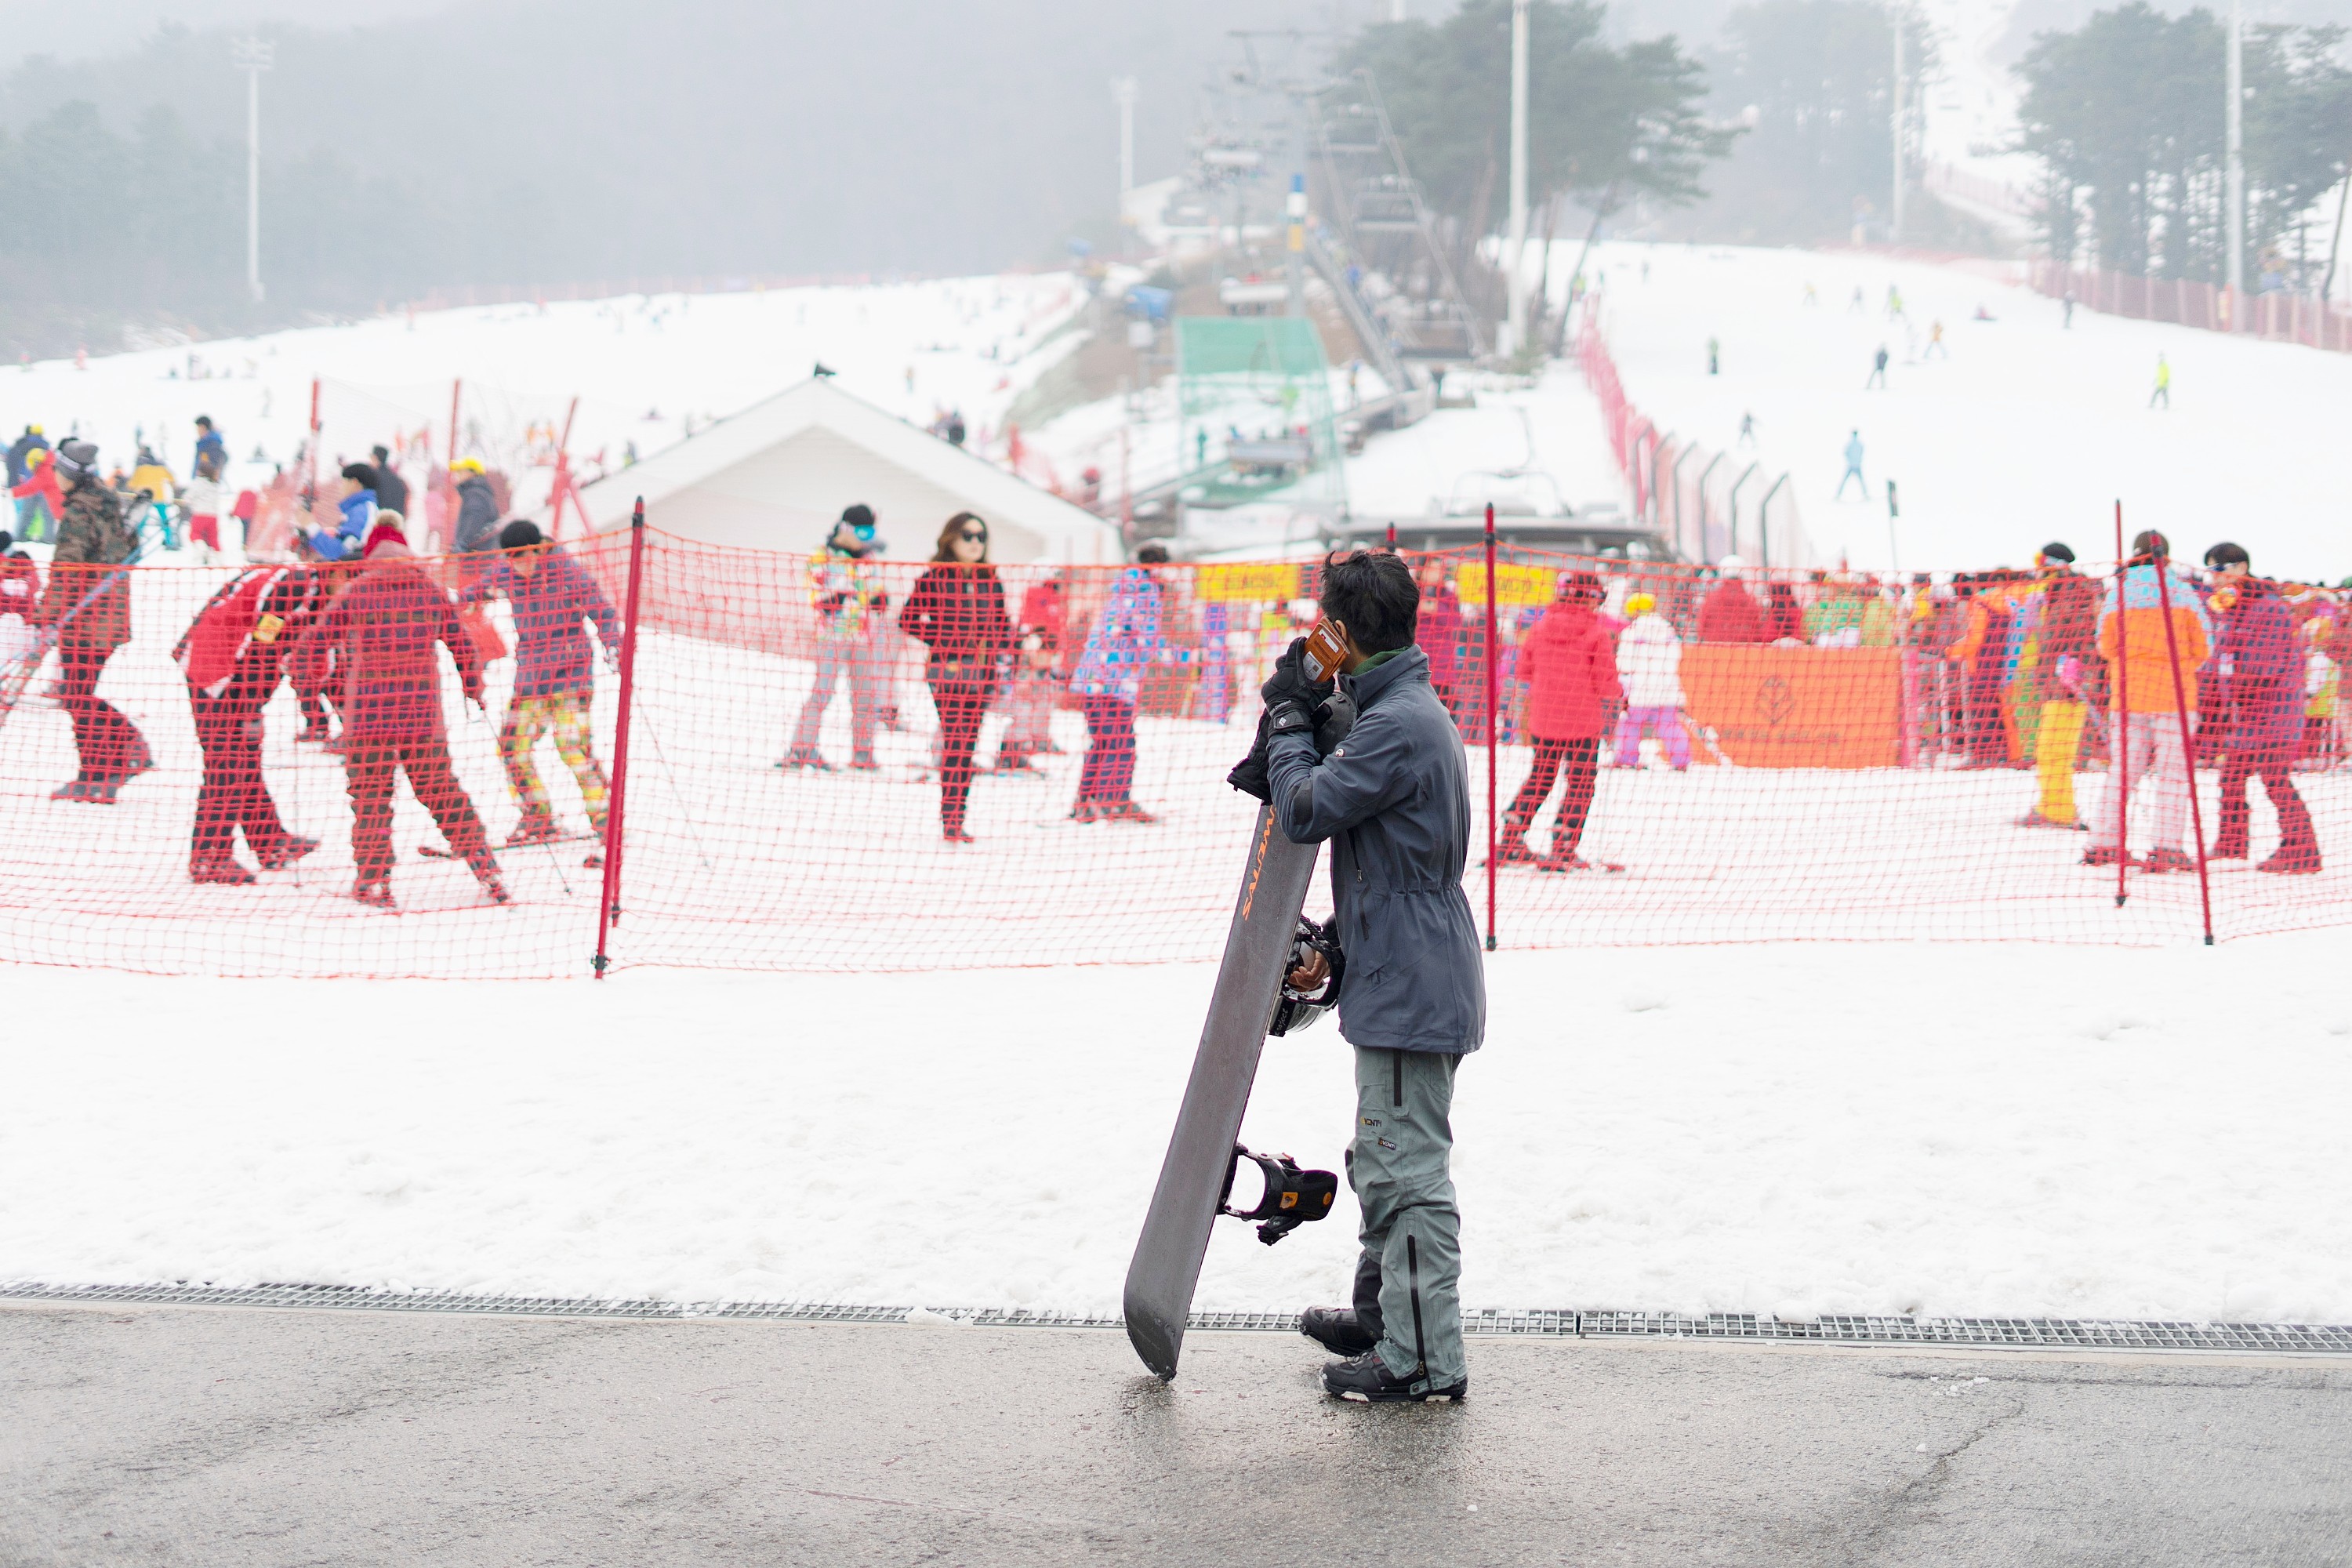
1409	1226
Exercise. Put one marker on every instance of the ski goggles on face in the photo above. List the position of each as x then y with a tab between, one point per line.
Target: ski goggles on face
865	531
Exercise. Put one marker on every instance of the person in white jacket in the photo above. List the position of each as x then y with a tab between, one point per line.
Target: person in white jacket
1649	665
205	498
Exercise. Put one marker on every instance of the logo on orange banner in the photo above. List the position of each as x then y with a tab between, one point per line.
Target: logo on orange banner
1797	706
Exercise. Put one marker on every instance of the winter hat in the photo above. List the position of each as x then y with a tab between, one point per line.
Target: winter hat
858	515
1731	564
2054	551
386	530
467	465
519	534
1640	603
77	459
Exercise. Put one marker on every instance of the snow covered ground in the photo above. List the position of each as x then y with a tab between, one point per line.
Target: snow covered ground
1797	1128
640	366
2027	432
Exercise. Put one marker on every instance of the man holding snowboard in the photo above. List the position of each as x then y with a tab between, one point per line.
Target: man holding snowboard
1393	797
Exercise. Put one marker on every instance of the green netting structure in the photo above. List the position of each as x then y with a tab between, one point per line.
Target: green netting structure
1255	421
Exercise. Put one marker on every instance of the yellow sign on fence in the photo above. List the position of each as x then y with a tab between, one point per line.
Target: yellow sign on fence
1257	581
1513	584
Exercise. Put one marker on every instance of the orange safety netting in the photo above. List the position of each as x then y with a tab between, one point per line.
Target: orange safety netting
1789	755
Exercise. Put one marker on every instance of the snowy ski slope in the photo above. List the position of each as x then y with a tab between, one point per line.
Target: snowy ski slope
2027	432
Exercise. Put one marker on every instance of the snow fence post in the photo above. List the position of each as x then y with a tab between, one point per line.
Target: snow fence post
1494	727
2120	764
608	902
2187	746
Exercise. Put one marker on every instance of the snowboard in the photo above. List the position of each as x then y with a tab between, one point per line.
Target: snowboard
1168	1255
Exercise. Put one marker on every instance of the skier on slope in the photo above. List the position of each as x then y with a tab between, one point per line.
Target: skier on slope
1877	376
1854	466
957	611
2262	661
2144	718
1649	667
1730	614
1571	671
1393	800
846	592
232	655
88	608
554	600
2163	392
385	622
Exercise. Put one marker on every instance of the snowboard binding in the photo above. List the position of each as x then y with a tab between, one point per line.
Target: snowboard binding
1296	1009
1292	1196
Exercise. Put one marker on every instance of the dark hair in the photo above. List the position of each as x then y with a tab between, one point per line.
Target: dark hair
2227	555
2054	551
519	534
857	514
1373	594
2147	543
1152	554
382	454
361	472
954	530
205	420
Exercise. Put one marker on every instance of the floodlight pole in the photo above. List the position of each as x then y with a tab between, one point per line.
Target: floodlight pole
253	56
2233	120
1515	284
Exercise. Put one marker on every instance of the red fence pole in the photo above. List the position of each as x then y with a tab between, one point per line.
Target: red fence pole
2121	713
608	902
2187	746
1493	727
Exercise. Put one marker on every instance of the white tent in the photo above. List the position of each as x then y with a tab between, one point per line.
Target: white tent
777	476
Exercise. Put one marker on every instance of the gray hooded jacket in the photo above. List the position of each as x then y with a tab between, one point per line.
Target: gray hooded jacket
1394	800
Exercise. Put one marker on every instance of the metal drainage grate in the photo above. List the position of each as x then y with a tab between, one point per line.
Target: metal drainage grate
2016	1333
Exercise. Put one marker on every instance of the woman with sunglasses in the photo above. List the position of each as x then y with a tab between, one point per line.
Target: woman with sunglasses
957	610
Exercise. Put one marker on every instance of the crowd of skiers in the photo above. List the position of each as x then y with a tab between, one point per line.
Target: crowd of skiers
353	622
979	652
2045	669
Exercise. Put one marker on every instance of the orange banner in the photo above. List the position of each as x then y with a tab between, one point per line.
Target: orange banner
1797	707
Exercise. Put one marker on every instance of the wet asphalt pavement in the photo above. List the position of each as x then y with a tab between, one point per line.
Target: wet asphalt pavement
172	1436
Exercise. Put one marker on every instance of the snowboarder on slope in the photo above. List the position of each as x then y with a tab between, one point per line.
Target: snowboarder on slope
1877	370
2163	392
1393	800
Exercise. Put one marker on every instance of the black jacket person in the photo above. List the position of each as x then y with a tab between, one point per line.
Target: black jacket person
88	604
1393	799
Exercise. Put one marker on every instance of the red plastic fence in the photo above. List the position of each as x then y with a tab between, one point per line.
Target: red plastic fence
2277	314
1809	757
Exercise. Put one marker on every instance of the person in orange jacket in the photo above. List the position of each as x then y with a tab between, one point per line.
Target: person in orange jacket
2152	675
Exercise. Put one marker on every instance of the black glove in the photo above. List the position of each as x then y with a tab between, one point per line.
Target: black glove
1333	718
1289	683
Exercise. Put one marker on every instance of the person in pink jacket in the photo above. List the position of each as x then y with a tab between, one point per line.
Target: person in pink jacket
1571	672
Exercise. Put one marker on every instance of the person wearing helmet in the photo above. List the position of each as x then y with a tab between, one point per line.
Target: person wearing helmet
477	507
1649	667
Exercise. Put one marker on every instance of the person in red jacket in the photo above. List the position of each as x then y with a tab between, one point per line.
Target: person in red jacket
957	611
1439	631
232	657
1729	614
383	625
1571	671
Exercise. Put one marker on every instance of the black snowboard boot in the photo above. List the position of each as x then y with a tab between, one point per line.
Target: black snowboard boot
1336	1330
1367	1380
